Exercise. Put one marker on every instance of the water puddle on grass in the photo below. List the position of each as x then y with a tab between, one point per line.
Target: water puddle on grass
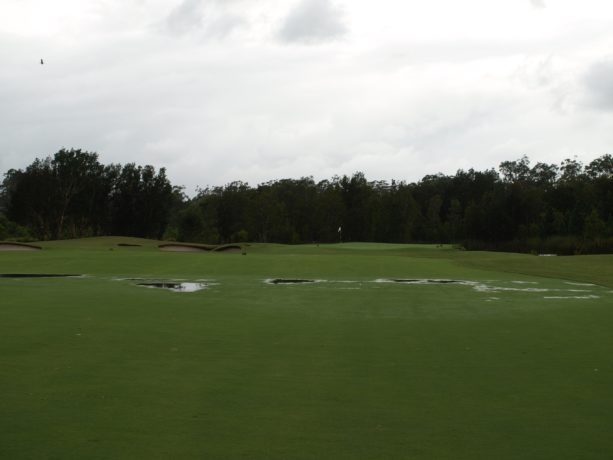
581	297
175	286
578	284
289	281
37	275
421	281
561	291
482	287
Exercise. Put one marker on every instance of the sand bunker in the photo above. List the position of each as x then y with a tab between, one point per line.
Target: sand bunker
183	248
18	247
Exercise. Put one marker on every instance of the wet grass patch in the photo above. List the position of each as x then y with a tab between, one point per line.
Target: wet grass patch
37	275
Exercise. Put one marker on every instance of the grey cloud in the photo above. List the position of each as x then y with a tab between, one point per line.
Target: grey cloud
537	72
598	82
213	111
187	16
313	21
224	25
209	19
538	3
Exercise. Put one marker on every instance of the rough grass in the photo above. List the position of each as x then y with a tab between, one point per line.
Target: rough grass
99	368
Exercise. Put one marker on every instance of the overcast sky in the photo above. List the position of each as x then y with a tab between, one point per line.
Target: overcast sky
254	90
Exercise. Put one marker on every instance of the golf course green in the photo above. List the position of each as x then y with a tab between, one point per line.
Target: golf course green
381	351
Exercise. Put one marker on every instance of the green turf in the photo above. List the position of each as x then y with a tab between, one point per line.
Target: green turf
97	367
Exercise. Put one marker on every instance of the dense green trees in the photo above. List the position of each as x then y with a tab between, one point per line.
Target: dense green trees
563	208
72	194
518	208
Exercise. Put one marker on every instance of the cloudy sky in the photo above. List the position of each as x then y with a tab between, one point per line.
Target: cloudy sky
254	90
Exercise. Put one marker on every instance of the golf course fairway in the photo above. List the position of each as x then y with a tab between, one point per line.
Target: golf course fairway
382	351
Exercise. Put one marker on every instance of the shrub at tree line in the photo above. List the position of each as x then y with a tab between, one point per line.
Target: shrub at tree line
565	209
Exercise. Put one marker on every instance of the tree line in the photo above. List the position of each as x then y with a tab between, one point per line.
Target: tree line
565	208
72	195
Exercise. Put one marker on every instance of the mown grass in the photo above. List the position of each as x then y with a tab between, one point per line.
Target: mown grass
98	368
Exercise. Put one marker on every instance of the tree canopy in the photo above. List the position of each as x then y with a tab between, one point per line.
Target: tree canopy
517	207
73	195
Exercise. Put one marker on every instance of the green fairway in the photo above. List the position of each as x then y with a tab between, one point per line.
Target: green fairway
513	360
